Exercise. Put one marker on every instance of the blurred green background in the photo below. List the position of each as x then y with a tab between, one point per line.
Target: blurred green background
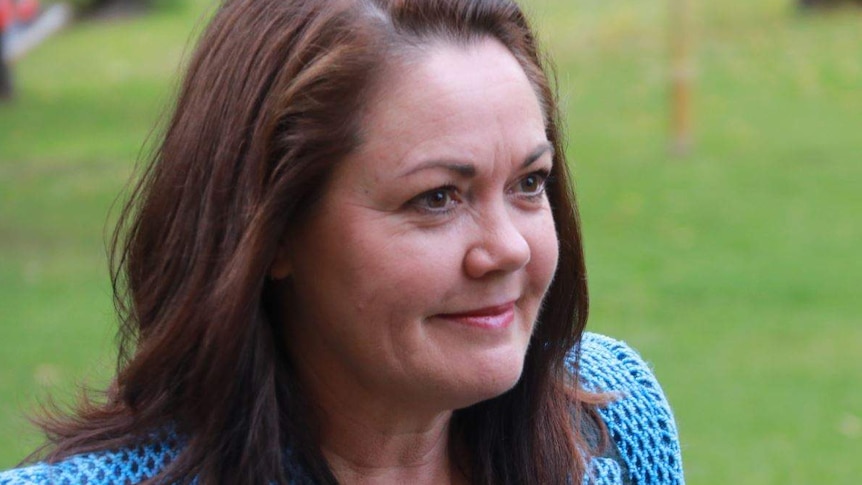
735	270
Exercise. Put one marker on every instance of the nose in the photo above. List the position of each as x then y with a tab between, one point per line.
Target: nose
499	248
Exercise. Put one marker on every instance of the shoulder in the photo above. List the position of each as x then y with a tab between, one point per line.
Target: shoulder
609	365
639	419
127	465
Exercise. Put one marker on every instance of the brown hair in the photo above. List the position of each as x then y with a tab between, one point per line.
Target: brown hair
272	99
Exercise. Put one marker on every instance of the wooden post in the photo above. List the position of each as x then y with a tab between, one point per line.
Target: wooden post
681	77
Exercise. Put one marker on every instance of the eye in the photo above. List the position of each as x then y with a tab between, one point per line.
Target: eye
439	200
532	184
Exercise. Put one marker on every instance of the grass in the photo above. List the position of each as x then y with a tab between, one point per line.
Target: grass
734	271
86	102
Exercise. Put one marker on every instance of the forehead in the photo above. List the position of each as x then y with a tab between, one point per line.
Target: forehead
453	97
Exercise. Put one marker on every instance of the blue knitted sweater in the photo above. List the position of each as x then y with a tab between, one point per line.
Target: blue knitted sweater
640	423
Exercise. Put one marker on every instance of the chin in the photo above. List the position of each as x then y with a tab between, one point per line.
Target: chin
489	380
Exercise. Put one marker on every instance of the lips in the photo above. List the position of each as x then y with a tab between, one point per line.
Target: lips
490	318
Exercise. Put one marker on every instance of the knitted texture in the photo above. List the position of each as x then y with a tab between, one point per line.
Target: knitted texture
124	466
639	421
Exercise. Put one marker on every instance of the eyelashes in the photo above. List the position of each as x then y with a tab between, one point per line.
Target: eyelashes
437	201
444	199
533	184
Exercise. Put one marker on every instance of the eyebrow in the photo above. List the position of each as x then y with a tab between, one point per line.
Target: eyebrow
468	170
537	153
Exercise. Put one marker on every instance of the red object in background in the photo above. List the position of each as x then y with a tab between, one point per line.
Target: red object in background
22	11
7	9
27	11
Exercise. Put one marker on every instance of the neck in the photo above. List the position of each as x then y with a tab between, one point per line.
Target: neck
366	452
368	439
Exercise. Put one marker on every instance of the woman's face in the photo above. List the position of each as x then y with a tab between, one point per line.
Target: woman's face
418	277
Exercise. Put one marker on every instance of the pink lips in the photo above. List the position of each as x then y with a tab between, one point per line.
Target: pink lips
490	318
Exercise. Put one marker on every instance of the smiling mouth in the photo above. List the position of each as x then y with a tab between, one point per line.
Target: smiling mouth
490	318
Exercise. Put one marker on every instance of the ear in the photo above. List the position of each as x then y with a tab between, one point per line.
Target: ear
281	266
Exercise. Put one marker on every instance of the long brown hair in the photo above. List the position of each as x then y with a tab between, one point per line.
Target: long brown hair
272	100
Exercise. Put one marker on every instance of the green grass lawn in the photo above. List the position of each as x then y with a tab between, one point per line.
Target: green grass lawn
734	271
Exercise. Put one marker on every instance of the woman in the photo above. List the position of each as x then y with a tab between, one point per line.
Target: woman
356	259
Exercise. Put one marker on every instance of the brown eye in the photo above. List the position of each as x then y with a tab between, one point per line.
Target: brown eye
533	184
438	201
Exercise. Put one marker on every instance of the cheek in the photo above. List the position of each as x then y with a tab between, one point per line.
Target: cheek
381	273
411	276
544	254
